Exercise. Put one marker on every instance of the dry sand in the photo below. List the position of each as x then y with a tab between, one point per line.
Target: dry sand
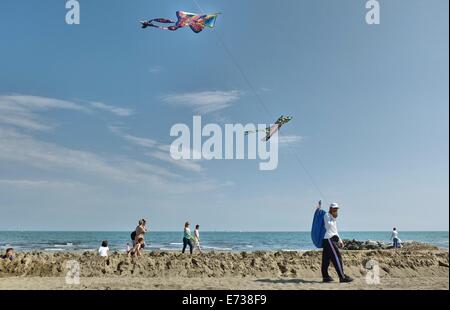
225	283
422	267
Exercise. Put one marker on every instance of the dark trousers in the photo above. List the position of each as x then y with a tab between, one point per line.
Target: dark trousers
187	242
396	243
331	253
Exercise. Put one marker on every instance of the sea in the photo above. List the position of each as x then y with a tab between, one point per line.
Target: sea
80	241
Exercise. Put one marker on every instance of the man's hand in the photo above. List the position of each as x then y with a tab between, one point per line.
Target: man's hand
341	244
319	204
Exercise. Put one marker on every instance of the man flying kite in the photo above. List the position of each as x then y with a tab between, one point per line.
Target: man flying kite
196	22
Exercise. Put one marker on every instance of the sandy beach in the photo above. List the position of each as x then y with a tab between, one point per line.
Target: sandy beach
415	267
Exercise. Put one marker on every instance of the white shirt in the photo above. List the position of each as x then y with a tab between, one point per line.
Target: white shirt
103	251
197	234
330	226
394	234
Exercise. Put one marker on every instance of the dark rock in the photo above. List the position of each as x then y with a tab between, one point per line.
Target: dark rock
443	264
282	268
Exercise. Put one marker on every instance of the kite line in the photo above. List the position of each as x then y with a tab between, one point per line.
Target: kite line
263	105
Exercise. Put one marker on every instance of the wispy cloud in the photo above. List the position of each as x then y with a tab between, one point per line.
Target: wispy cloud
284	140
188	165
23	111
20	118
112	109
144	142
39	184
35	103
90	167
155	69
205	101
17	147
23	120
159	151
185	152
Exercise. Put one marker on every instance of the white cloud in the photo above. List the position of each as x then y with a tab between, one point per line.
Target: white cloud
28	151
188	165
24	149
23	120
19	118
112	109
34	103
144	142
154	169
204	102
84	167
160	151
22	111
24	183
140	141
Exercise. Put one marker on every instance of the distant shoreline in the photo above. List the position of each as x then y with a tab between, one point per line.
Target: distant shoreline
172	241
350	246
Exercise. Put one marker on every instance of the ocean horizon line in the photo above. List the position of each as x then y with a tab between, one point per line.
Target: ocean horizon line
218	231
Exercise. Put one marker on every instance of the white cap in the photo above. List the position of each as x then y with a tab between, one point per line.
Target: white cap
334	205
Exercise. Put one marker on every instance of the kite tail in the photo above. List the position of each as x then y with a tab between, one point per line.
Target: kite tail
162	21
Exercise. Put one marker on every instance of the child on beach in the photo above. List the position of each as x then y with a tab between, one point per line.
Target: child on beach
9	254
103	250
187	238
197	238
136	250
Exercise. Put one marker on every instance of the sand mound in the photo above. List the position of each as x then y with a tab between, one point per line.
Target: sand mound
393	263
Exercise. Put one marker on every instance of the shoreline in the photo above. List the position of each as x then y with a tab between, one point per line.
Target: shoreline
350	245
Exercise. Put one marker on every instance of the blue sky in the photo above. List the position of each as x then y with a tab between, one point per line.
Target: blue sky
86	110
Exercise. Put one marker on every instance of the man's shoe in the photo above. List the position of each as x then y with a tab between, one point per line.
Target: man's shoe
346	279
328	280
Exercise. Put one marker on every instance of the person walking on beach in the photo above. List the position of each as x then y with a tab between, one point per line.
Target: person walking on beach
331	245
104	249
197	238
136	250
139	232
187	238
395	239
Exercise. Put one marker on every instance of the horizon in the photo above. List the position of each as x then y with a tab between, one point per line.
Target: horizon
221	231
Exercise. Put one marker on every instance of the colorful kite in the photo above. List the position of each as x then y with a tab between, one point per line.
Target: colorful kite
270	131
196	22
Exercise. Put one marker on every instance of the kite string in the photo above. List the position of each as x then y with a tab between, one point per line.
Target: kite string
311	178
261	102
